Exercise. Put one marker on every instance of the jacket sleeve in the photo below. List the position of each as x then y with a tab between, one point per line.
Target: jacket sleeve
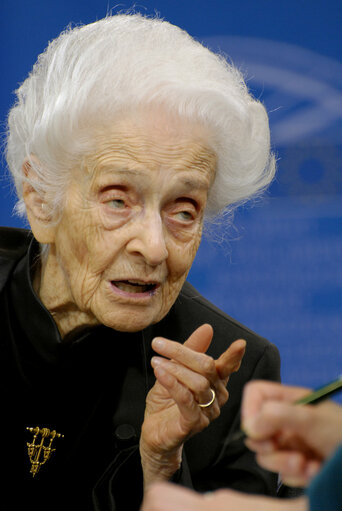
325	491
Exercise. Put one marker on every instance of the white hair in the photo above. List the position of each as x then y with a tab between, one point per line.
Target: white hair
90	73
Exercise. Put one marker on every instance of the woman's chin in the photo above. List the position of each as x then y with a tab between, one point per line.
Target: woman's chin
131	315
129	321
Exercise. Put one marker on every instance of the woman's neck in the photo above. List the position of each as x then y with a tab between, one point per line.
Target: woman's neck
49	283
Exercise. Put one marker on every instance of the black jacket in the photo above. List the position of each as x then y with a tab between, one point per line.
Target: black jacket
93	391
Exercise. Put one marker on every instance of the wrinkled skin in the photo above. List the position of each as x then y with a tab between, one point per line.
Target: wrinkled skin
184	379
119	255
134	213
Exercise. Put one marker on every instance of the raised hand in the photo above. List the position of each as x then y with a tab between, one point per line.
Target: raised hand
187	379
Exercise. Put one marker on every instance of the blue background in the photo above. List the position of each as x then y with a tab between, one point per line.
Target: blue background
277	266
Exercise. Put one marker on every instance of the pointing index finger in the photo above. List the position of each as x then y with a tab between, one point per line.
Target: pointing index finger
230	361
200	339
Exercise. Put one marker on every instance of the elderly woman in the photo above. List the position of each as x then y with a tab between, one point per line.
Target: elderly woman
126	134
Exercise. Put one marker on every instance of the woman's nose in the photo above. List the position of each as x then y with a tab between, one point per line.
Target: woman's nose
149	240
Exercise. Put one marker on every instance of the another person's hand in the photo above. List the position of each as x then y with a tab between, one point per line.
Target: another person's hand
290	439
185	379
169	497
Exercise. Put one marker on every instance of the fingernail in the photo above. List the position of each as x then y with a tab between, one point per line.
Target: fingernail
155	361
158	343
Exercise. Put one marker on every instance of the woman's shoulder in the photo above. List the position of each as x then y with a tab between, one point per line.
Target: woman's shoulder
13	245
14	241
192	310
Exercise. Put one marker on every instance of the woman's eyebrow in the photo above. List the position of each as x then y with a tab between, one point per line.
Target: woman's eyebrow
110	169
188	182
197	183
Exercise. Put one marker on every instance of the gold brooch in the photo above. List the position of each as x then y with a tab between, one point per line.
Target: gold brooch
38	452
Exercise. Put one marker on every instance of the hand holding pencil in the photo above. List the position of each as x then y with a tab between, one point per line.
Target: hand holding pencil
288	438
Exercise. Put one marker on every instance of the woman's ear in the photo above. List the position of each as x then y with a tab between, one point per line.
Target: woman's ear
37	209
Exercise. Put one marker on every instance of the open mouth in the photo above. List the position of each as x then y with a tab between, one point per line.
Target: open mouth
135	287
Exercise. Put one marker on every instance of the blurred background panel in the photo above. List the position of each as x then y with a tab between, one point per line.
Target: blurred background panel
275	267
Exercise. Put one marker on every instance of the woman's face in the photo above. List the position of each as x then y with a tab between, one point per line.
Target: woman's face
132	221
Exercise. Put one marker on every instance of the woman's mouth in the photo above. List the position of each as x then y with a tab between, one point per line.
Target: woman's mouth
135	288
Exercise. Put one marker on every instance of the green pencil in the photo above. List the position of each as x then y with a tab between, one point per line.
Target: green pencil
321	393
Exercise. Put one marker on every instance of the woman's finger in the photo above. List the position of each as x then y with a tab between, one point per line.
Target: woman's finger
198	362
197	383
192	418
200	339
201	363
229	362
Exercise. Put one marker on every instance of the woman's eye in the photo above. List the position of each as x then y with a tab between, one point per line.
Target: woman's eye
185	216
116	203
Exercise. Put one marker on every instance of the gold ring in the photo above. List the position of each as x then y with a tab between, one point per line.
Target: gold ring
213	395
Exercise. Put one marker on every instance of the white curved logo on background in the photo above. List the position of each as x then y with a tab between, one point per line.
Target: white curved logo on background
301	89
